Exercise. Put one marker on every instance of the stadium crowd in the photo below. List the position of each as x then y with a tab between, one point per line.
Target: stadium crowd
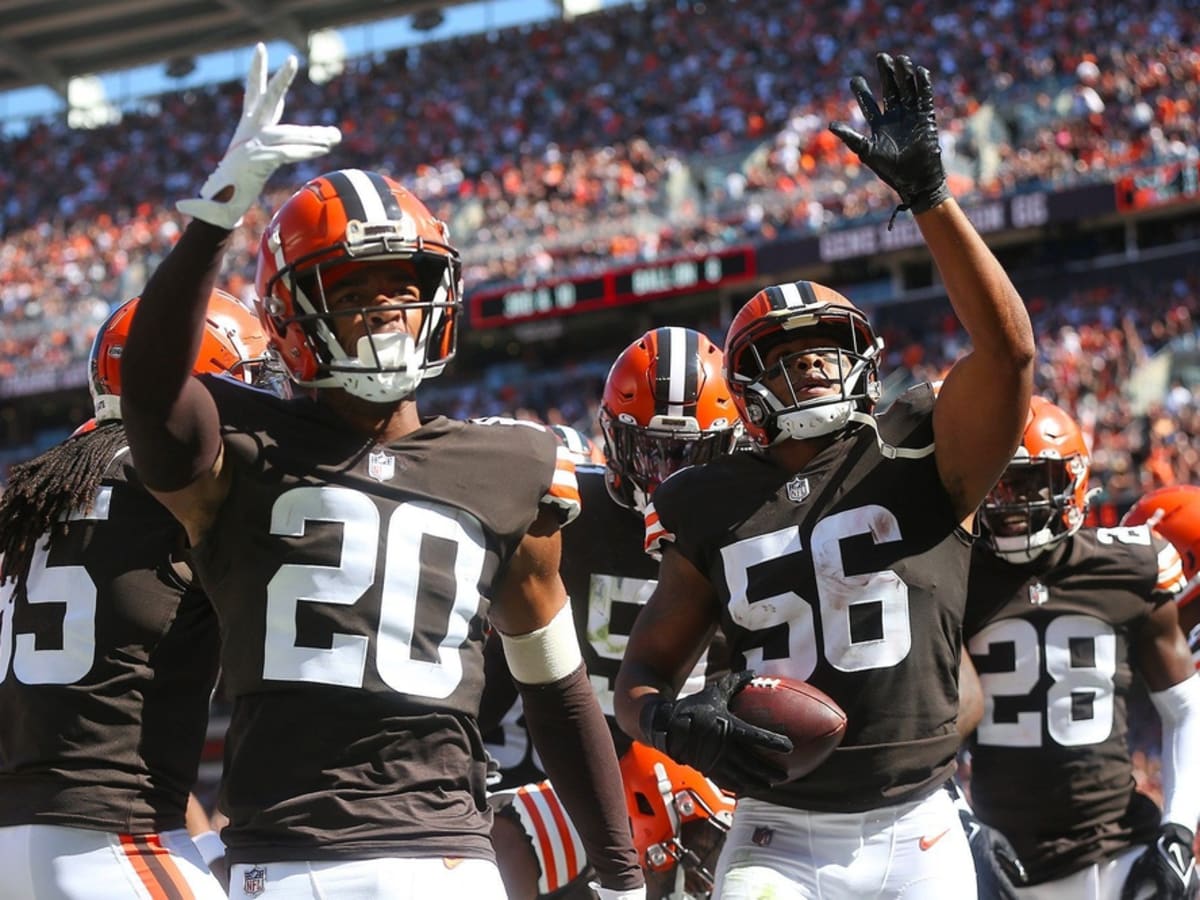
618	141
677	155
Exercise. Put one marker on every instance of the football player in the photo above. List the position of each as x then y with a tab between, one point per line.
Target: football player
1059	619
1174	512
837	554
665	405
354	551
108	652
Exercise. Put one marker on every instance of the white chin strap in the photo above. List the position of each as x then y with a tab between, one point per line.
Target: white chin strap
1023	548
393	350
813	422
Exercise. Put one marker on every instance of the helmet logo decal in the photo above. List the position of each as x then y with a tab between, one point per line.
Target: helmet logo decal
381	465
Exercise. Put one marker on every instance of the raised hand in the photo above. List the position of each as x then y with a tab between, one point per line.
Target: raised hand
259	146
903	148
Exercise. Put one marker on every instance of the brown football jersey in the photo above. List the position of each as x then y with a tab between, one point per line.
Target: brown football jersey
850	575
1052	640
351	581
609	578
107	660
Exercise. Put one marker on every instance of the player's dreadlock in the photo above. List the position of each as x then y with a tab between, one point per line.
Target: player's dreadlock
48	487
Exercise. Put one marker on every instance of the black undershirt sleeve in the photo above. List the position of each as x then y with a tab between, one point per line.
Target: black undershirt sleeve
171	421
576	749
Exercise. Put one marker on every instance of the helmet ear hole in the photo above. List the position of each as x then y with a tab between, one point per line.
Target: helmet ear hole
643	804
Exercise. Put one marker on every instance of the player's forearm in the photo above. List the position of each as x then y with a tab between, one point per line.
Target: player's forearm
573	741
983	296
1179	709
173	429
637	687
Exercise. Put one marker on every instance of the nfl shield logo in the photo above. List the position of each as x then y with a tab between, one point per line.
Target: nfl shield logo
1038	593
254	881
797	489
381	466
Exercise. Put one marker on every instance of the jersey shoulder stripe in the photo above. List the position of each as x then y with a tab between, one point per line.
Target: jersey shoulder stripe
1171	579
564	487
656	533
563	494
559	849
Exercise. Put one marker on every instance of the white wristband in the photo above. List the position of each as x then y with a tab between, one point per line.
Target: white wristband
210	846
547	654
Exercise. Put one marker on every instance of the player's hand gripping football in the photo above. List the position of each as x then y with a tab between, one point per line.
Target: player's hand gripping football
701	732
903	148
1167	870
260	145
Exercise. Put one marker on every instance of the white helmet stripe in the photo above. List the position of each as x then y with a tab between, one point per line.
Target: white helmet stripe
677	367
367	194
791	294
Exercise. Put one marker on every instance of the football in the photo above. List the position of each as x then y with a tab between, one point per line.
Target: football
810	717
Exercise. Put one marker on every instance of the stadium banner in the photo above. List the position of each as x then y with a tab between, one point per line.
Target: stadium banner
631	284
498	307
1168	183
1031	209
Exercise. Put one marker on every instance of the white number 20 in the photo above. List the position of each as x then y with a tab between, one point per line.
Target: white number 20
837	594
344	662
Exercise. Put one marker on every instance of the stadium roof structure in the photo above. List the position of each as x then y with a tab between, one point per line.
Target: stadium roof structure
49	42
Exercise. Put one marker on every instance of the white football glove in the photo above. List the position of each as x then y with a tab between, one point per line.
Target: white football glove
260	145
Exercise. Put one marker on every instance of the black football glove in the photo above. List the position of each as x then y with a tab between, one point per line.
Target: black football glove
1166	871
903	148
997	869
701	732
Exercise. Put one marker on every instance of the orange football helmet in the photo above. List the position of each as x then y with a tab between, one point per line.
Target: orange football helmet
332	223
803	309
1042	497
679	818
233	344
1174	512
665	406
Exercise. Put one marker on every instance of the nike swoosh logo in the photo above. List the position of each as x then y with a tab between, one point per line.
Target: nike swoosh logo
926	842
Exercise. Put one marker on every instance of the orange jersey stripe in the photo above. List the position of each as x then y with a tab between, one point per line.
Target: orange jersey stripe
1170	570
655	532
155	869
552	878
564	486
564	829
